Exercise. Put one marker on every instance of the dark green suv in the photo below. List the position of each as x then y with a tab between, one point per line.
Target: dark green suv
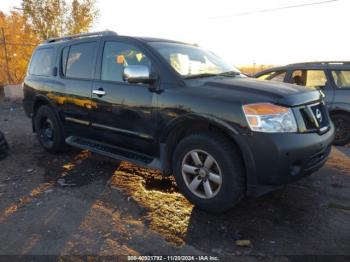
178	108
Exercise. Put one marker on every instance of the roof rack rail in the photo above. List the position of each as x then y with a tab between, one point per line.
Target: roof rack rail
321	63
69	37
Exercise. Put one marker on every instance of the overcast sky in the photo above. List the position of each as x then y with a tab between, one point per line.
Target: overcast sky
241	31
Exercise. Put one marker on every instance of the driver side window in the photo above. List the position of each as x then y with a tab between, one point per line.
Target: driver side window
116	56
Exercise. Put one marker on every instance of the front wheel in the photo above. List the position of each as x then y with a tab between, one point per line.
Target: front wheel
209	171
342	129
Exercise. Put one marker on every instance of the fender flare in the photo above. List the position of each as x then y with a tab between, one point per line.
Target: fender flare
195	117
230	130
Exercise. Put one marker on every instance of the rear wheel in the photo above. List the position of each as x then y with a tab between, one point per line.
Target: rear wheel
48	129
209	172
342	129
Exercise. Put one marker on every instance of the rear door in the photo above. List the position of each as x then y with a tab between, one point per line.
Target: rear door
77	69
341	78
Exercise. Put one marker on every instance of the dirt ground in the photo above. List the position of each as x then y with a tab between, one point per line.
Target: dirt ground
78	203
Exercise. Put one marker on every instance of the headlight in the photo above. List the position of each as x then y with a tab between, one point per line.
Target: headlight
270	118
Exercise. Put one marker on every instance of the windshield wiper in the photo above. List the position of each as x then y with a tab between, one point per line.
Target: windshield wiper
200	76
230	73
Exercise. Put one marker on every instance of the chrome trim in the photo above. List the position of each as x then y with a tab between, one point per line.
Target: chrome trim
321	130
313	114
136	74
140	135
324	129
77	121
99	92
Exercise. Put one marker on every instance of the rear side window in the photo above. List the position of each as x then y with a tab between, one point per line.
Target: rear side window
79	62
41	63
342	78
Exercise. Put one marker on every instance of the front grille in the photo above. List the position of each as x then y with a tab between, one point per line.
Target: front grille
319	111
314	117
308	122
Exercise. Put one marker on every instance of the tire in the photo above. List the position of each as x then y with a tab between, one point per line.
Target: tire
227	190
48	130
342	129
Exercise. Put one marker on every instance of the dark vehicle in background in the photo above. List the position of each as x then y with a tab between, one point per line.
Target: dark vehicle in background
177	108
333	78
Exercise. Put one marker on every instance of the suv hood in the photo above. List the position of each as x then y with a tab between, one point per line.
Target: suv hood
251	90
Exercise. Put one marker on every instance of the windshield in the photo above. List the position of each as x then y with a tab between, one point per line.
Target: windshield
190	61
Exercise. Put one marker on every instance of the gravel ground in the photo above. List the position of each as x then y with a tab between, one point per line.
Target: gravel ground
78	203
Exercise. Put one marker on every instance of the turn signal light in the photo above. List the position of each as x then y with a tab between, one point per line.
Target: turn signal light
264	109
270	118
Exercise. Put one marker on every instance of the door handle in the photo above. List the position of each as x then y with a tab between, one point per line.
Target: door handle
99	92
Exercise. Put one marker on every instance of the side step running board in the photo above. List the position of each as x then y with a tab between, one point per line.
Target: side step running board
114	152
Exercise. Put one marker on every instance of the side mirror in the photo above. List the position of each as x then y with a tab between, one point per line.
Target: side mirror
137	74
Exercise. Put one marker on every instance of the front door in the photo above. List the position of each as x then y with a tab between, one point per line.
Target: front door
123	112
314	78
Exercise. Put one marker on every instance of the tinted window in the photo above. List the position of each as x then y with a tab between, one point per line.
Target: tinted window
309	78
342	78
80	62
41	63
116	56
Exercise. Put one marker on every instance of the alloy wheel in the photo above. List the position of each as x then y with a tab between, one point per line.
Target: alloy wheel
202	174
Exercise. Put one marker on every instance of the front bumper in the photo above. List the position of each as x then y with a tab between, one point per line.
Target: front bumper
279	159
